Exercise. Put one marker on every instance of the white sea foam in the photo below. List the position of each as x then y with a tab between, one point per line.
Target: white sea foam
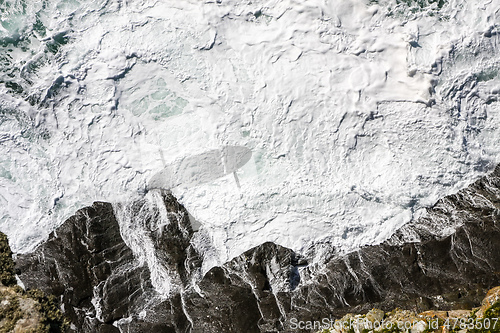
137	223
357	114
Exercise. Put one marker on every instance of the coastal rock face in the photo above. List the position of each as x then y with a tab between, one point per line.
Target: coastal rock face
87	264
247	294
479	320
25	311
83	260
421	267
445	260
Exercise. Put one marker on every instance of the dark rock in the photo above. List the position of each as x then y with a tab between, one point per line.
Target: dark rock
241	295
87	263
226	304
82	255
7	277
445	260
418	268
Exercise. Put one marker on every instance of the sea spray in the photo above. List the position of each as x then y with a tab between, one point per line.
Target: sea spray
139	221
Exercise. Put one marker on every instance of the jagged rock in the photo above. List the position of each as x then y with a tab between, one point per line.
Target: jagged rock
80	256
87	263
241	295
22	311
104	288
168	228
226	304
448	272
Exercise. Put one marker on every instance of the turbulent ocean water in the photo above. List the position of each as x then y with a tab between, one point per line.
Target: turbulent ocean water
358	114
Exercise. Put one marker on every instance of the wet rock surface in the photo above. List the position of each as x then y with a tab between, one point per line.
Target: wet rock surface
418	268
446	260
86	255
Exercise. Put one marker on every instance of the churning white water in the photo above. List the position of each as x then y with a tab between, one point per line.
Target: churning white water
357	113
139	220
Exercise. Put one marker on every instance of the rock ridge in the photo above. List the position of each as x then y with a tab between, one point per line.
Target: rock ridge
445	260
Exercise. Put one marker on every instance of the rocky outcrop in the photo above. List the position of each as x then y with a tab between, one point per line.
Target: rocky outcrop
490	306
7	277
445	260
84	259
248	294
87	263
18	313
25	311
420	267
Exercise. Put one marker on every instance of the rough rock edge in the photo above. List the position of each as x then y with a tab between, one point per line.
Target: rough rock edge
265	288
25	311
